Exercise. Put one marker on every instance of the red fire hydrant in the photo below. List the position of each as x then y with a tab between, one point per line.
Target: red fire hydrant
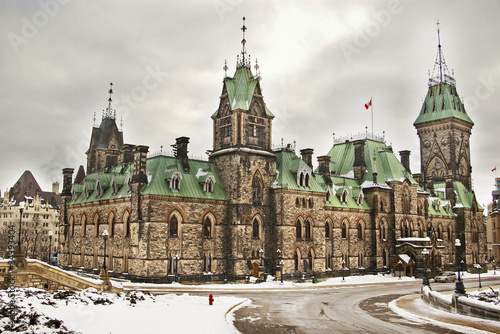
210	300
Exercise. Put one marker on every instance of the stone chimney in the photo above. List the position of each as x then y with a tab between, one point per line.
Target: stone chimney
140	158
324	164
181	152
67	181
128	153
405	159
359	160
307	154
55	188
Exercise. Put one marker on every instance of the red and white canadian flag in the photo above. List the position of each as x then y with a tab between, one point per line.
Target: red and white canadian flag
494	169
368	104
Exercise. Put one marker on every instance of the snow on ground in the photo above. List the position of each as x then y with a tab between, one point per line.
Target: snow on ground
94	312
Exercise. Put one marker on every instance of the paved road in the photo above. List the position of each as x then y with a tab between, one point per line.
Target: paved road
356	309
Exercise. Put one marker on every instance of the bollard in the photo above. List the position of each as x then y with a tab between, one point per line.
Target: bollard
210	300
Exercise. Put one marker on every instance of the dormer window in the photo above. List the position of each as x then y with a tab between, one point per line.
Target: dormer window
343	197
208	185
361	197
175	181
304	179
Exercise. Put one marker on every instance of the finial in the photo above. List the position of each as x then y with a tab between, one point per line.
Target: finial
257	69
109	110
225	68
243	61
94	119
121	124
440	64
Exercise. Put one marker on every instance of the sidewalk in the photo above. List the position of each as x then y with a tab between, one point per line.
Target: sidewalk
412	307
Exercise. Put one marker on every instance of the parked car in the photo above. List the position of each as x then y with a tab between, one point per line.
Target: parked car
445	276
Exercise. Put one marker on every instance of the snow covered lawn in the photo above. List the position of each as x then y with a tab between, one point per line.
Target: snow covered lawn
91	311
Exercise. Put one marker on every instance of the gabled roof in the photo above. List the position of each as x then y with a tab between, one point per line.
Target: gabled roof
388	167
287	164
442	101
241	89
159	169
464	197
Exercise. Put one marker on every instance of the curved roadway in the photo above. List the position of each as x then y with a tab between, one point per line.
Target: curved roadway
347	309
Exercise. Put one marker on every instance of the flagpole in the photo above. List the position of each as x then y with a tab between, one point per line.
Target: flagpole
371	105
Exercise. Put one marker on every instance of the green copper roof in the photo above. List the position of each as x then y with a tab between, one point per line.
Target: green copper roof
162	168
442	101
388	167
241	89
464	197
288	164
115	183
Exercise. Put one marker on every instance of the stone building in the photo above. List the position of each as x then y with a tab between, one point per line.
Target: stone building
40	216
251	209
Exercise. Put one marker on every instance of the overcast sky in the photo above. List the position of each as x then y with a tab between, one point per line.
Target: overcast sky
320	62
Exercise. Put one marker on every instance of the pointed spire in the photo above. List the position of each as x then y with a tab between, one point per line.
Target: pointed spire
243	61
109	113
225	68
442	75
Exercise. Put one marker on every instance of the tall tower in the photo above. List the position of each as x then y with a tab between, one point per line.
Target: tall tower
444	129
106	141
242	152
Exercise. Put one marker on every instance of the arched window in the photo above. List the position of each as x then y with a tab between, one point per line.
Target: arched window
360	231
307	229
385	258
405	201
126	224
71	225
296	262
174	226
307	180
255	228
344	230
297	202
450	233
311	203
327	230
111	223
97	222
83	221
207	228
310	259
440	232
301	180
257	189
298	229
383	229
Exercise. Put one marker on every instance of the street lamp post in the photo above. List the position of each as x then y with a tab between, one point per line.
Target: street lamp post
425	280
459	285
21	209
105	237
50	245
343	270
399	262
278	251
281	270
494	267
479	273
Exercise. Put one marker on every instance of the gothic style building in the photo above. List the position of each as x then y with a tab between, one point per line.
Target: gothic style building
251	208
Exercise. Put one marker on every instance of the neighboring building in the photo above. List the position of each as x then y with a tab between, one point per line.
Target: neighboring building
493	224
251	206
40	216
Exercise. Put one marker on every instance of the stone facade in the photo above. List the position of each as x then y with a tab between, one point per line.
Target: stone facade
251	209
